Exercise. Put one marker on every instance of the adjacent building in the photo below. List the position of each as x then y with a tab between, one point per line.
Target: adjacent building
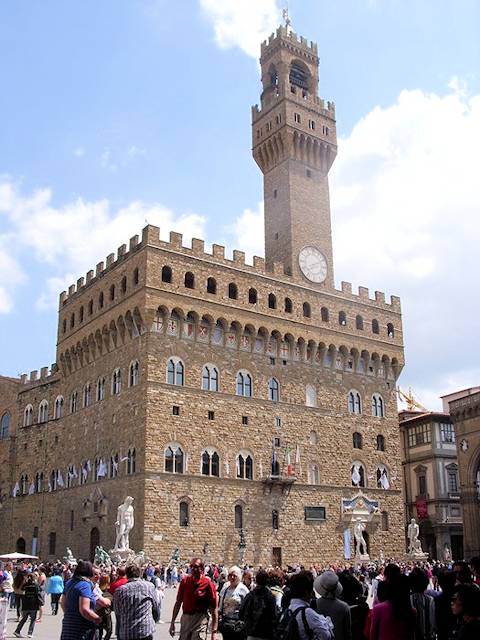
431	477
249	409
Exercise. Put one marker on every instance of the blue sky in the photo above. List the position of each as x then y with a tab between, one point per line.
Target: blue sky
122	111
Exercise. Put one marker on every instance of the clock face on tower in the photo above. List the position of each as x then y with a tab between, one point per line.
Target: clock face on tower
313	264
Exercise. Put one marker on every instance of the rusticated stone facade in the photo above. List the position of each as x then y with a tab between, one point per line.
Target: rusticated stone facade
220	395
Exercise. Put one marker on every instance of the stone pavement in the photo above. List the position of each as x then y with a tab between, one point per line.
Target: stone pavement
50	627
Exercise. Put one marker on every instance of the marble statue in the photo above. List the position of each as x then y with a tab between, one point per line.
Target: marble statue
414	544
68	557
124	525
358	530
447	554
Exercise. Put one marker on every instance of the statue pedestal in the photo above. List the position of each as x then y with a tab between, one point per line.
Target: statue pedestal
361	558
120	556
418	556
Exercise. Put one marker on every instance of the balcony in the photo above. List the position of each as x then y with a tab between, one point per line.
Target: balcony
284	482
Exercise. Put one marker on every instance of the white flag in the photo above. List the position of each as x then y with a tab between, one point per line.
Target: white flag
49	486
124	459
16	490
102	469
356	475
384	480
238	466
297	455
60	481
31	489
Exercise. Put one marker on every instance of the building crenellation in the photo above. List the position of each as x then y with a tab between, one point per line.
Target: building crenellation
222	395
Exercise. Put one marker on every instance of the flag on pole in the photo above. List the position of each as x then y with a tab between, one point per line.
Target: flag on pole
297	460
16	490
288	462
356	475
60	481
31	489
84	472
49	487
238	467
74	471
102	469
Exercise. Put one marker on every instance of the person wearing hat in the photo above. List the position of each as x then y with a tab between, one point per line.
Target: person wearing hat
329	588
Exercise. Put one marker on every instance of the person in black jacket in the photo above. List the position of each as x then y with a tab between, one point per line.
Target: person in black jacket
31	603
258	610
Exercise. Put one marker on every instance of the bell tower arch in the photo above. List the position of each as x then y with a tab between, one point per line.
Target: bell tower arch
294	144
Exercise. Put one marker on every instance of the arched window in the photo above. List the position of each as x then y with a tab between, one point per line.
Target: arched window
72	320
245	466
210	463
313	437
342	319
166	274
73	402
209	378
385	524
38	482
354	402
307	311
324	314
382	477
359	322
272	301
275	522
378	407
375	326
24	485
314	474
64	326
298	76
252	296
390	330
273	390
238	516
357	440
81	313
232	291
380	443
244	384
175	372
113	466
174	459
123	285
112	292
28	416
310	396
131	461
358	474
90	307
100	300
59	403
189	280
100	389
133	373
288	305
116	382
52	483
184	513
211	285
5	426
135	276
43	412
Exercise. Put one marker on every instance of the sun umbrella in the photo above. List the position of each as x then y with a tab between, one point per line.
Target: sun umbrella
17	556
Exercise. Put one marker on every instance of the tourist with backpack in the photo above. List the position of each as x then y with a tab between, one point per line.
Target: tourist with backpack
259	610
300	621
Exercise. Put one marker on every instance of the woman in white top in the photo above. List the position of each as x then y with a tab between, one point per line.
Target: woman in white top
231	598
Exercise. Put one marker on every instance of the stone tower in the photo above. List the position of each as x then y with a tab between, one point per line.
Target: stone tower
294	144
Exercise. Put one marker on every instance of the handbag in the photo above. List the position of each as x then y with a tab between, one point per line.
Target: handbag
231	625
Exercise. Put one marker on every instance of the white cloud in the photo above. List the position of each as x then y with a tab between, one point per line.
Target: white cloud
405	206
242	23
79	152
247	232
70	239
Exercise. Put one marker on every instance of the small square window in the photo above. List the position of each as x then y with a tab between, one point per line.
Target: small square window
308	173
211	415
272	360
284	362
278	422
245	420
56	440
176	410
276	236
274	193
277	442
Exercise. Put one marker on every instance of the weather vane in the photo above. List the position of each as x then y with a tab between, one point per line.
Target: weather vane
286	17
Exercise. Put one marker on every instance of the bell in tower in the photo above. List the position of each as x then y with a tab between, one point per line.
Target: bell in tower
294	144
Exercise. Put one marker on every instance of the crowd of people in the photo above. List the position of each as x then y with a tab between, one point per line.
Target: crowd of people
388	601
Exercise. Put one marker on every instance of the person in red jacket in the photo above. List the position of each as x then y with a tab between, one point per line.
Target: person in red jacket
120	581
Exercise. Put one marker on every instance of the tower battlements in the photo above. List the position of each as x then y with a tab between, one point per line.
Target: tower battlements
288	37
327	108
196	250
36	377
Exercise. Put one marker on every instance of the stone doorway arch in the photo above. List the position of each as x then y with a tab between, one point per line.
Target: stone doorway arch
20	545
